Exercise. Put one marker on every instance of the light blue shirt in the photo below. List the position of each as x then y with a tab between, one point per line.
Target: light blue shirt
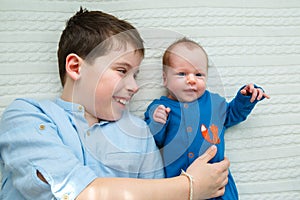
54	138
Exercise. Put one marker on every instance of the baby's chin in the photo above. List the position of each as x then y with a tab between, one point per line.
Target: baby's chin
188	99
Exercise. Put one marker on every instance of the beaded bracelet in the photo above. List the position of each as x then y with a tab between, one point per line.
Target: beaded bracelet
191	182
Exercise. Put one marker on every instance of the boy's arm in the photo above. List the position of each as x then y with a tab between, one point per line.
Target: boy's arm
32	150
243	103
209	181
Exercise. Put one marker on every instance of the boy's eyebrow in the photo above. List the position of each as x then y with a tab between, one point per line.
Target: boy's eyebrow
124	63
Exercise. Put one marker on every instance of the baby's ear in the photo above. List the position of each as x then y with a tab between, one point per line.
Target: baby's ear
164	78
73	66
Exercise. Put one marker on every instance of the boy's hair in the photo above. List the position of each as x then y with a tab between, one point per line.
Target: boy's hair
190	44
90	30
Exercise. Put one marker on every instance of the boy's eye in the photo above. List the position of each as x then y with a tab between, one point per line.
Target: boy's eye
122	70
199	74
136	74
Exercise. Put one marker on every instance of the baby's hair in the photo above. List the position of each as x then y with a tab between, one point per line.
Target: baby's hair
188	43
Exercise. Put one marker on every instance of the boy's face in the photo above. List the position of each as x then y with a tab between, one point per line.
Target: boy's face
186	76
107	85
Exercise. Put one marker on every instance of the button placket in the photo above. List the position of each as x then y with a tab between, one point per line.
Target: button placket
80	108
65	197
88	133
191	155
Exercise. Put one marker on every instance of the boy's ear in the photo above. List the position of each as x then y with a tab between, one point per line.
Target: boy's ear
73	66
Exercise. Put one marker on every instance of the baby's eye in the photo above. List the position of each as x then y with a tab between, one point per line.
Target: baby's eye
181	74
199	74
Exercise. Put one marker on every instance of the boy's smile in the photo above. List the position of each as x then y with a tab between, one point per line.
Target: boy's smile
123	101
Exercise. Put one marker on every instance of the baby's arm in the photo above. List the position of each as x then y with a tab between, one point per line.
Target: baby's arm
255	93
242	105
161	113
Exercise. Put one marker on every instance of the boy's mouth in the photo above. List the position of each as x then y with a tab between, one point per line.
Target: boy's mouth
122	101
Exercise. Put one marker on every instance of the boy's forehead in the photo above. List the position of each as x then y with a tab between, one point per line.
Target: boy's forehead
114	47
129	57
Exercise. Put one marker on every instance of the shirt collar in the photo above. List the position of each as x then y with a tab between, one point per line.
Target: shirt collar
69	106
75	108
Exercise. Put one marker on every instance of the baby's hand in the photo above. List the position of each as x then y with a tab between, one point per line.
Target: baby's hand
256	93
161	114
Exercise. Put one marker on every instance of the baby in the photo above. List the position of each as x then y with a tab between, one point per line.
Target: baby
190	119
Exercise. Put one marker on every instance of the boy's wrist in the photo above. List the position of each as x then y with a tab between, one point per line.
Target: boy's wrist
191	180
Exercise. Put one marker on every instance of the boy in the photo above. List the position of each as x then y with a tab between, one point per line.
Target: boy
59	149
190	119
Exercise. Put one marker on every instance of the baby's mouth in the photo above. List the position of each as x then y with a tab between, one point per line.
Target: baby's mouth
191	90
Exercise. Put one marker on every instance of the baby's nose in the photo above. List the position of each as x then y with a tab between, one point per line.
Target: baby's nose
191	79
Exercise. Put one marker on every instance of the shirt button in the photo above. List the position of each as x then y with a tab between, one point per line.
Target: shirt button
191	155
185	105
189	129
42	127
80	108
88	133
65	197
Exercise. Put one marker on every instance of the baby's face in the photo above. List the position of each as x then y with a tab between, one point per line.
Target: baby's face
186	76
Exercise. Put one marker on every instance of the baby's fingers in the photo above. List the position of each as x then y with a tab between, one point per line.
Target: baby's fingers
168	110
266	96
254	95
160	114
262	94
244	92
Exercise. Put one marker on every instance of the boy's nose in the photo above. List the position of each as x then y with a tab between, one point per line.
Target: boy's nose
132	86
191	79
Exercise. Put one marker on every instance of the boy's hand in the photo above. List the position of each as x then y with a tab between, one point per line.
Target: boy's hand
256	93
209	179
161	114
